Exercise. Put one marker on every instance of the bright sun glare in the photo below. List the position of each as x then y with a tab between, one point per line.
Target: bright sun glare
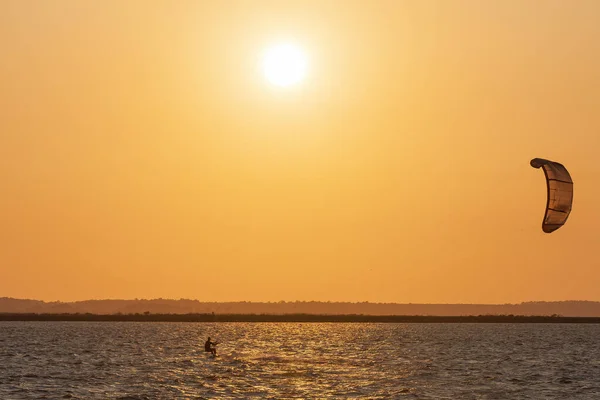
284	65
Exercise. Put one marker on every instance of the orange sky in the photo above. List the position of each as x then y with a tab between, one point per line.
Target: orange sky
143	155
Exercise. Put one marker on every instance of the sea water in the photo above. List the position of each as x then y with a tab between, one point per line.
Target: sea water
153	360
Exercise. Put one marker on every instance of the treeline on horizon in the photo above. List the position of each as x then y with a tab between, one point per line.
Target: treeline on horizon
149	317
185	306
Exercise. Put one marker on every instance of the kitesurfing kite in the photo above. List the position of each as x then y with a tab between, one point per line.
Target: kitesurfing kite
560	193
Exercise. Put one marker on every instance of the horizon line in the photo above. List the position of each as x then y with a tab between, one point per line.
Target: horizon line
296	301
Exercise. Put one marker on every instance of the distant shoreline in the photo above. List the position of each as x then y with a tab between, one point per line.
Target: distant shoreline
570	308
297	318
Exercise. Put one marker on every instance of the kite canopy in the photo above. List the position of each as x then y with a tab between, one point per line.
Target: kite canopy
560	193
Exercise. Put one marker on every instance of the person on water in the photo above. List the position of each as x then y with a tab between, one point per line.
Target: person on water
210	347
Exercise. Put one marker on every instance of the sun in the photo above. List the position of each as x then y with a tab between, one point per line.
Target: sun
284	65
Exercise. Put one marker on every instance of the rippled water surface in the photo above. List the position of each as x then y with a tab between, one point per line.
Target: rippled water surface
123	360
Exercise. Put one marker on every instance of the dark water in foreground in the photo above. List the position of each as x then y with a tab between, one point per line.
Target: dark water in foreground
124	360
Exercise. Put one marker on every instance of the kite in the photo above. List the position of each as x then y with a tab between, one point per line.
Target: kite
560	193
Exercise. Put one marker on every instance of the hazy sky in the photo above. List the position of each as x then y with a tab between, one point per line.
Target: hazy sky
143	154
